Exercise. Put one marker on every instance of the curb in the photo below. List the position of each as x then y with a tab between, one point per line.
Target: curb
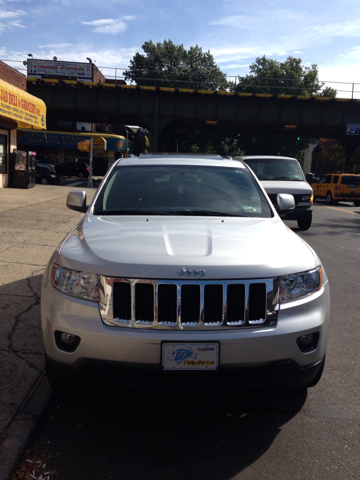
16	438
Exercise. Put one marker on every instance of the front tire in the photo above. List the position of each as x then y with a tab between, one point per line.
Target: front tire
44	181
81	175
304	224
329	199
357	203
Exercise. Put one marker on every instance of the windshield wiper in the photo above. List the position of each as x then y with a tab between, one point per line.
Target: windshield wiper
199	213
288	178
128	212
204	213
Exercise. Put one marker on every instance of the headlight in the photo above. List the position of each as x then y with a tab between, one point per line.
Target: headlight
306	198
78	284
297	285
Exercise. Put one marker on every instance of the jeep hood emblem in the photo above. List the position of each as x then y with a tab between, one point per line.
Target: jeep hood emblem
188	273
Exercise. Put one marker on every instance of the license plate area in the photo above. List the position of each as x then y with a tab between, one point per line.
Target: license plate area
190	356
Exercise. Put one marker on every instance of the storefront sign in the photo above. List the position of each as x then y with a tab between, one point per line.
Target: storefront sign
114	143
55	69
27	110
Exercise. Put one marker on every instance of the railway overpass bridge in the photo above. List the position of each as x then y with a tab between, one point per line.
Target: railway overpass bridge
159	109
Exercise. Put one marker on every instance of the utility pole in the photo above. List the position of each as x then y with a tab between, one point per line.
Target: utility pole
90	181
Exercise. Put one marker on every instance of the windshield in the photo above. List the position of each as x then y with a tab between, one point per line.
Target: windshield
181	190
276	169
45	168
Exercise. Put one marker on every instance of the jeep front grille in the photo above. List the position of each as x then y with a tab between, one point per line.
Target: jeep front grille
172	304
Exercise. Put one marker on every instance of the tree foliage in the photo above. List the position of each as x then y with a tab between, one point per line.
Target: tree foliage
329	156
269	144
200	141
283	78
169	65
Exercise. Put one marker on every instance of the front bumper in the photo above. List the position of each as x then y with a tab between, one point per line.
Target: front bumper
89	372
300	213
248	356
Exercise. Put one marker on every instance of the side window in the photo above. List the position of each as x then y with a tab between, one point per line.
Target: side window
335	179
327	178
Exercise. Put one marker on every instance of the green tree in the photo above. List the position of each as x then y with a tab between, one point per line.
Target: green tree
200	141
329	156
169	65
267	144
283	78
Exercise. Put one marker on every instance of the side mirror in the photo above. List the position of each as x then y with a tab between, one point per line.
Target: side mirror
285	203
310	178
76	200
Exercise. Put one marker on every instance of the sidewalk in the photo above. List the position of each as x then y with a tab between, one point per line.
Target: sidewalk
32	224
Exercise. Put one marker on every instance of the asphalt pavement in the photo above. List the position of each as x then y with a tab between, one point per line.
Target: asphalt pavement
32	223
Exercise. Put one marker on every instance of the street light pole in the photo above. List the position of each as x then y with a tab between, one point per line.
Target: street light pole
90	181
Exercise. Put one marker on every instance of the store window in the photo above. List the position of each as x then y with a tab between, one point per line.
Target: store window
3	156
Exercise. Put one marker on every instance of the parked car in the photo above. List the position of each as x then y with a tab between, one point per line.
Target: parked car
46	174
285	175
334	187
182	274
72	169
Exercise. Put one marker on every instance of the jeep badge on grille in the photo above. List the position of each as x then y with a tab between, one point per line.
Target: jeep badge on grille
194	273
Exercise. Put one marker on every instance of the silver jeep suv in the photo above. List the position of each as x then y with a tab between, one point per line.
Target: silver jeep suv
182	273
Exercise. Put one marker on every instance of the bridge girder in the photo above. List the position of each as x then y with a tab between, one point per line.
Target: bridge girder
157	108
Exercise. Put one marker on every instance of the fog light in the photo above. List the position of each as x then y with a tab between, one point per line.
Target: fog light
67	338
67	342
309	342
306	339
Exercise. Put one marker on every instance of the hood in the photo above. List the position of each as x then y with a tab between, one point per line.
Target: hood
280	186
158	247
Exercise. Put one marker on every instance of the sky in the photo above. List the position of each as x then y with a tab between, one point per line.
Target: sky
321	32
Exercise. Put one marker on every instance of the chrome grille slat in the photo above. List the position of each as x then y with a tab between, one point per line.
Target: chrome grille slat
236	309
188	305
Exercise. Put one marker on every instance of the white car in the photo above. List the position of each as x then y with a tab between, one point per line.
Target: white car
284	175
182	273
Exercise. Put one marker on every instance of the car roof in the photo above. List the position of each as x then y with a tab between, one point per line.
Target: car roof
180	159
267	157
342	173
181	155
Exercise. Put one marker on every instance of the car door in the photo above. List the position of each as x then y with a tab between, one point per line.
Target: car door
62	169
323	186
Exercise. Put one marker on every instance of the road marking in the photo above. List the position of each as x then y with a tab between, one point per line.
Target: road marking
342	210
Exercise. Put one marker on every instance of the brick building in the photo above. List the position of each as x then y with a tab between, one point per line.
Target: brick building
12	76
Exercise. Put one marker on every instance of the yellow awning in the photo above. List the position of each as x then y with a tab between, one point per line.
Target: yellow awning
99	143
25	109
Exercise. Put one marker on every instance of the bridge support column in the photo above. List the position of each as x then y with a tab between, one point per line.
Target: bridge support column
155	127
